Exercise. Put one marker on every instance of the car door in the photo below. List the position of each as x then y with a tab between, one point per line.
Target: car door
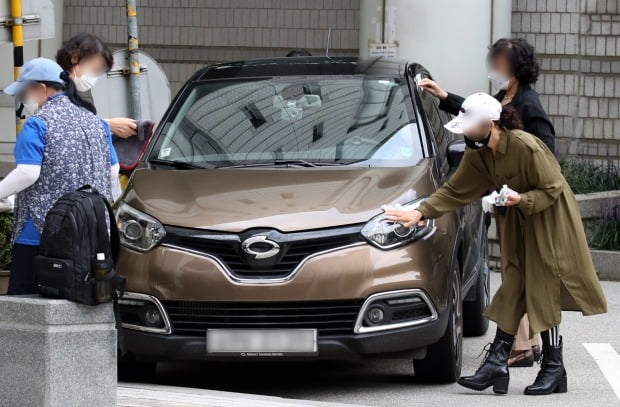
472	223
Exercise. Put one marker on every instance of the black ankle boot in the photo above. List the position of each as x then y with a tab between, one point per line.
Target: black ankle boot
493	371
552	375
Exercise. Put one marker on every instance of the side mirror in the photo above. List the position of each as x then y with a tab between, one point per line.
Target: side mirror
456	149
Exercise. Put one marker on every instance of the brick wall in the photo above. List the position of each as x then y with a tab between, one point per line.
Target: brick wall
184	35
578	43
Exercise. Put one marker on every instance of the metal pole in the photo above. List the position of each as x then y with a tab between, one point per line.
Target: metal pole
383	4
134	59
18	48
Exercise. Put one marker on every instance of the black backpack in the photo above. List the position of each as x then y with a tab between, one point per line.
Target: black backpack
76	229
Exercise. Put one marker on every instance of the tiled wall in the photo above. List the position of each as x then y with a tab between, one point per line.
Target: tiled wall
578	43
184	35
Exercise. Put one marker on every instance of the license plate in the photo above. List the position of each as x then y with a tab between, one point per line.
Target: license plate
262	342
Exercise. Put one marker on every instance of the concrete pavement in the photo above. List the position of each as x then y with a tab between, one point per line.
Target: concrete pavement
145	395
391	382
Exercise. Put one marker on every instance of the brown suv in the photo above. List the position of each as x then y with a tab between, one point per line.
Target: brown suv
253	228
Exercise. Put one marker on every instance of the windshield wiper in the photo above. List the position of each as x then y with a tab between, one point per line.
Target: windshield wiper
302	163
178	164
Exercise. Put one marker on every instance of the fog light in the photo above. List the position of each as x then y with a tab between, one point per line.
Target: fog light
132	303
375	315
401	301
151	316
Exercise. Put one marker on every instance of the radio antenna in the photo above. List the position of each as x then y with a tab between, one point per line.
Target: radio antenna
329	40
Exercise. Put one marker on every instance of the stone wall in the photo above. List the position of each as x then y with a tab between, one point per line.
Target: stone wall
578	43
184	35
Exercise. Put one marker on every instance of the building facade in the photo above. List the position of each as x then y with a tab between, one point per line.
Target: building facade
184	35
578	43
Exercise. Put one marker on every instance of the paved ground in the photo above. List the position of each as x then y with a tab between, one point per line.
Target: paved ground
152	395
391	382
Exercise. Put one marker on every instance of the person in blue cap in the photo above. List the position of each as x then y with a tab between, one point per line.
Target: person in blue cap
62	146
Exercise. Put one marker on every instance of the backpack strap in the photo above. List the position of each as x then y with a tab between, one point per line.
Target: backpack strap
105	239
112	239
117	281
115	241
88	187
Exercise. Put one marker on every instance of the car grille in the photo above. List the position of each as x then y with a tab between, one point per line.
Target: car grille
295	247
193	318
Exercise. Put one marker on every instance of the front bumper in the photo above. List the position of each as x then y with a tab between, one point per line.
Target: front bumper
409	342
349	273
178	277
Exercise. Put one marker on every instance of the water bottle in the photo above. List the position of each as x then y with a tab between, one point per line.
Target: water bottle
102	287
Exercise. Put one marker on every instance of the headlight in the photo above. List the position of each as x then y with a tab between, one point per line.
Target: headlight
138	230
385	234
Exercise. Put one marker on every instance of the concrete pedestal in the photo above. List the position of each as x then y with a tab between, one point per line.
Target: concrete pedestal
56	353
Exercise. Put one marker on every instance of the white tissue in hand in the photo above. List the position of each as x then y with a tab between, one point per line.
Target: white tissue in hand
393	207
489	201
502	197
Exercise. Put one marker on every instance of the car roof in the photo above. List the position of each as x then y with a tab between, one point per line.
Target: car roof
295	66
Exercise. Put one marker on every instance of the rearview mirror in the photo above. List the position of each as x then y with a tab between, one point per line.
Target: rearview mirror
456	149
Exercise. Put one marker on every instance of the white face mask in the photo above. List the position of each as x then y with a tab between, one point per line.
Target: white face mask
85	82
30	108
498	81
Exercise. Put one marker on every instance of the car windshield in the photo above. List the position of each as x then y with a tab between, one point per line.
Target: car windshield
309	121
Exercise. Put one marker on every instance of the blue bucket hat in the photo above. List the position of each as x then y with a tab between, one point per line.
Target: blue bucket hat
35	70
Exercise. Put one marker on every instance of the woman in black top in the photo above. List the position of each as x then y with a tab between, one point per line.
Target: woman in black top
513	69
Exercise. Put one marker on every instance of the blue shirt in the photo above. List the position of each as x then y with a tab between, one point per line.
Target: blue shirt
29	149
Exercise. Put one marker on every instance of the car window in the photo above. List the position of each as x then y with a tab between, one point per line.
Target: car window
440	135
329	119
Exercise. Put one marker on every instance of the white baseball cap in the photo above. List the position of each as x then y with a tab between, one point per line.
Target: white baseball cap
477	108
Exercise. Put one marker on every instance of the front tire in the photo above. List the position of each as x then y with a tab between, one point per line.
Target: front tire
444	359
474	323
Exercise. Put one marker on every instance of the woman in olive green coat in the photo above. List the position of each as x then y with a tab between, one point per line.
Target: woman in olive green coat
549	265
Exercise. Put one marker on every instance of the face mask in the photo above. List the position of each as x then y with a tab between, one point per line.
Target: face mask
30	108
498	81
479	143
85	82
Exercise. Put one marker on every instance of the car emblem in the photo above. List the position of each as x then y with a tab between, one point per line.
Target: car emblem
260	247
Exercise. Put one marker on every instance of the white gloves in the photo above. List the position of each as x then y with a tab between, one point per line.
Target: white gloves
497	198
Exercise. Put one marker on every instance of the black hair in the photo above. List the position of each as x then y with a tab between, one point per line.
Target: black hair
509	119
82	46
71	92
520	55
299	52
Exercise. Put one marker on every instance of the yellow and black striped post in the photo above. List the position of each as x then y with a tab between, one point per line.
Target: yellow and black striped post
134	59
18	46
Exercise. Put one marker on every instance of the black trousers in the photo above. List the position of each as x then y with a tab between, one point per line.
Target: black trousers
21	280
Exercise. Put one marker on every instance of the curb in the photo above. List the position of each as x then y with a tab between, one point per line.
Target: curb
607	264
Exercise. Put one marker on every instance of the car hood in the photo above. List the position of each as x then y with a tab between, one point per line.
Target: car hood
286	199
